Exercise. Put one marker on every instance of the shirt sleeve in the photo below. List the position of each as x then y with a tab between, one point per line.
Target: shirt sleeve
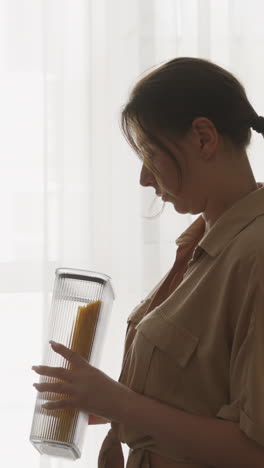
247	371
252	402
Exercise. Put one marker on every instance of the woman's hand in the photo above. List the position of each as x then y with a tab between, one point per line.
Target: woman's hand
87	388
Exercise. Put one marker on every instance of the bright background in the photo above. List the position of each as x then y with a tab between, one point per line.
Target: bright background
70	193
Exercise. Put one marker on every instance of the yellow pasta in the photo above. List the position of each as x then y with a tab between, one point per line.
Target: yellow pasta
85	327
82	342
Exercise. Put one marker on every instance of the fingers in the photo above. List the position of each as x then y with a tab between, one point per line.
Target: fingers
59	372
62	374
67	353
58	404
72	356
57	387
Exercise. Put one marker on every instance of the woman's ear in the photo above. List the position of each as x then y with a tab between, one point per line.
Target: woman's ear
206	133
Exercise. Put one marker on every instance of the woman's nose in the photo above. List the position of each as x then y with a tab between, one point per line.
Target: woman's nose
146	178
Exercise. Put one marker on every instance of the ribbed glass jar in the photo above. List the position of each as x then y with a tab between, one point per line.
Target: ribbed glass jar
79	315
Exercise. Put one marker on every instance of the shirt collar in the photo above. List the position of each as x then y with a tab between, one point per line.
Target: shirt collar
226	227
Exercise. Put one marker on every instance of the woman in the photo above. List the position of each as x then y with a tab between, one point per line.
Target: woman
191	388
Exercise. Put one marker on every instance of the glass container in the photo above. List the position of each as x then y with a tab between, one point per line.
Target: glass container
79	315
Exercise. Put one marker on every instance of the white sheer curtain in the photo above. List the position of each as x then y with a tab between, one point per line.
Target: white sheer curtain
70	193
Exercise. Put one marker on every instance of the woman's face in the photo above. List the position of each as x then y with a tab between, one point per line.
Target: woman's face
213	175
186	194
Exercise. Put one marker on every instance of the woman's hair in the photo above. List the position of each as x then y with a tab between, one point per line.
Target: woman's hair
165	102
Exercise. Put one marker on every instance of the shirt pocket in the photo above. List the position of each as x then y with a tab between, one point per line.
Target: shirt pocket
171	350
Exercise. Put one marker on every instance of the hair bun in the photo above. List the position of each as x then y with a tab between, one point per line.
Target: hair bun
258	124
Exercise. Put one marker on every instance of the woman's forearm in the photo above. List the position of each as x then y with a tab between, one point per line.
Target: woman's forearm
214	442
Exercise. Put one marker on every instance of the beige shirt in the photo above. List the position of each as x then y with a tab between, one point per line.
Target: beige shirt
196	342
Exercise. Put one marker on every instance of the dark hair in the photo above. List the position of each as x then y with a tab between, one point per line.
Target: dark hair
167	100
